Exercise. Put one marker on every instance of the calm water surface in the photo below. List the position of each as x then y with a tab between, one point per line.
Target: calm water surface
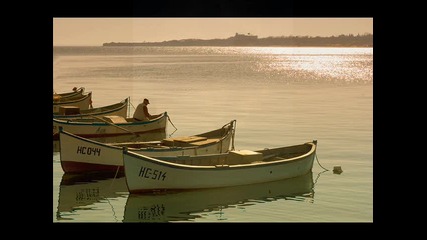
279	96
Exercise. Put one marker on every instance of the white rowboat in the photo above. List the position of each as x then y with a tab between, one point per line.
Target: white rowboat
145	174
61	96
79	155
109	126
82	102
117	109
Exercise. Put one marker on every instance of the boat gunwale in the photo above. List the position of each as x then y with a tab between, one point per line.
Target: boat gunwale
71	94
110	108
156	160
84	97
75	122
149	149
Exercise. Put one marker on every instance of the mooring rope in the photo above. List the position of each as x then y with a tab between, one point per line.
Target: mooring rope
320	164
115	176
172	123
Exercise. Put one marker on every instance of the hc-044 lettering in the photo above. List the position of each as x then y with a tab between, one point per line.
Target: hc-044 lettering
89	151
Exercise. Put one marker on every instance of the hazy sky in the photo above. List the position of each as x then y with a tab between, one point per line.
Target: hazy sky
96	31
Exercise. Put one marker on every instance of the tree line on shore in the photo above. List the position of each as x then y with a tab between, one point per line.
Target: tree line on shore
350	40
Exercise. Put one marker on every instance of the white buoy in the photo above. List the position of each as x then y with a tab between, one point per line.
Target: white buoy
337	169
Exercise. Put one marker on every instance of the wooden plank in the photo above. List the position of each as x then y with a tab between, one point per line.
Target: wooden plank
187	139
207	141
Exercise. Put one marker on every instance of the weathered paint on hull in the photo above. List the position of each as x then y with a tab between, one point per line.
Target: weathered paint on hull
79	167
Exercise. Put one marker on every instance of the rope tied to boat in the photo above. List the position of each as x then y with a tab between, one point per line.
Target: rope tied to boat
320	164
172	123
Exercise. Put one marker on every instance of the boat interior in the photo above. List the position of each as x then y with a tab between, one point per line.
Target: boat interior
238	157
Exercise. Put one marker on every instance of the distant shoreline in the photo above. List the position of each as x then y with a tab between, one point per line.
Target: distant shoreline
135	45
248	40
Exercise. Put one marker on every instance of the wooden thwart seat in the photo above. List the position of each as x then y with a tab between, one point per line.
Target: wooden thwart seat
243	157
114	119
69	110
188	139
182	141
202	142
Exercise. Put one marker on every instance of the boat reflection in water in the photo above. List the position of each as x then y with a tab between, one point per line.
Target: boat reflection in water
151	136
81	191
187	205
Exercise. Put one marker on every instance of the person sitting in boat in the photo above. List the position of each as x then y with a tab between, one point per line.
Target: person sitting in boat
141	112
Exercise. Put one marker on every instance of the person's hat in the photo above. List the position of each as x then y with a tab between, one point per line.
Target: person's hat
146	100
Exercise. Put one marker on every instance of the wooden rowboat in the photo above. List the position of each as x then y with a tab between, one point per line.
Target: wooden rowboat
82	102
79	155
60	96
145	174
109	126
117	109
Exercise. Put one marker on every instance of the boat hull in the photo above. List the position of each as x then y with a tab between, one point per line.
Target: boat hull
68	95
107	130
119	109
78	154
82	103
144	174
